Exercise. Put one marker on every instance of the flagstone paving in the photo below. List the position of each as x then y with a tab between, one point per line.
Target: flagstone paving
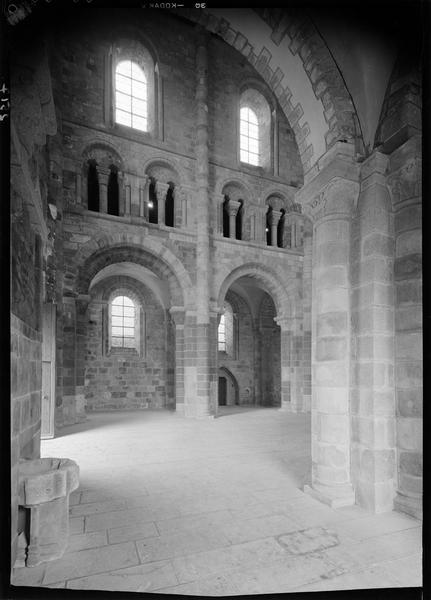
214	508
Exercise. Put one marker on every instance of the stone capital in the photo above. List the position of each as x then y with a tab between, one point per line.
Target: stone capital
233	207
338	199
183	191
274	217
103	174
405	183
338	163
287	323
161	190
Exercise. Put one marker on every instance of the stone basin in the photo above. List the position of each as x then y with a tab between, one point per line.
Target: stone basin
44	486
44	479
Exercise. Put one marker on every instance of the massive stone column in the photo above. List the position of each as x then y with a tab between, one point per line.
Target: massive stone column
333	207
405	182
373	402
204	404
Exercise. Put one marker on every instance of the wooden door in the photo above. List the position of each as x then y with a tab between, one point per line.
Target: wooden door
48	371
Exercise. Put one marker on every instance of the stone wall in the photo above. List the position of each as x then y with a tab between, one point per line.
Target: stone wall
33	119
126	378
26	385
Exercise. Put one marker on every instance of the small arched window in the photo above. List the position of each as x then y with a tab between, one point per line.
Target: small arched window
92	186
169	207
131	96
113	193
249	136
153	207
238	221
123	322
268	228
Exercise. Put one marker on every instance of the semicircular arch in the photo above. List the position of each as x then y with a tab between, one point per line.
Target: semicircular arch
283	298
151	254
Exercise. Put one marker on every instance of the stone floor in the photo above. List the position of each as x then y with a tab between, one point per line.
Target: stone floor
214	507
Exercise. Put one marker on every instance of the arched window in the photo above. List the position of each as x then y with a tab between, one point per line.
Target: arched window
153	208
249	136
92	186
268	228
238	221
131	95
226	333
123	323
169	207
280	229
225	217
222	334
113	193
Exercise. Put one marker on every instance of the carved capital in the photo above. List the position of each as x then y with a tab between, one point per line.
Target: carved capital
274	217
338	199
161	190
406	182
233	207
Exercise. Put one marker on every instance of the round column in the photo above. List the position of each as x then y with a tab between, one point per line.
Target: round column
331	481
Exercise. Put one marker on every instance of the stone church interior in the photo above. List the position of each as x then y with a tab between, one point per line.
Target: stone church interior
216	298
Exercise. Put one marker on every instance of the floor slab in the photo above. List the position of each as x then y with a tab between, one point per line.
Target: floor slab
212	508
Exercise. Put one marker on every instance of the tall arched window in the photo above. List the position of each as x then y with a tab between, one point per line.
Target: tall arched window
123	326
249	136
131	95
222	334
226	331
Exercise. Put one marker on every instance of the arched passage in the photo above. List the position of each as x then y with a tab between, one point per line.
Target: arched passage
228	390
156	273
268	358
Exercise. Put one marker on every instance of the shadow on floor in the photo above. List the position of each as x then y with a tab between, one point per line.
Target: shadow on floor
99	419
227	411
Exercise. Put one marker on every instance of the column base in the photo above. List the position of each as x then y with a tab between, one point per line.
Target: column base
410	505
179	409
335	497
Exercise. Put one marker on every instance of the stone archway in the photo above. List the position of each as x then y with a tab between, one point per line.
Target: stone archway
291	341
98	255
232	388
